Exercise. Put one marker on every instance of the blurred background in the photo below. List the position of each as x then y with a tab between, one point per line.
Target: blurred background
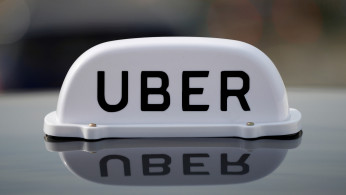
40	40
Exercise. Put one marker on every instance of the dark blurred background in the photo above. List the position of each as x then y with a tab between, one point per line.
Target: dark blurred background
40	39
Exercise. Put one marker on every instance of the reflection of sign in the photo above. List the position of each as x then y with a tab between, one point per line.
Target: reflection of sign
173	161
173	87
163	166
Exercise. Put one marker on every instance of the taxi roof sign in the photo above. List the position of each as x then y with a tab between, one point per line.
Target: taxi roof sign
173	87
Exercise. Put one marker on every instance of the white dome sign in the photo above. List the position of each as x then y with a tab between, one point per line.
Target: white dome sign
173	87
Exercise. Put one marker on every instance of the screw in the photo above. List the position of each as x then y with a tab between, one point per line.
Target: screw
92	125
250	123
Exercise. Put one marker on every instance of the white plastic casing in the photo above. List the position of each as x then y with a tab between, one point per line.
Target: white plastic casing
266	97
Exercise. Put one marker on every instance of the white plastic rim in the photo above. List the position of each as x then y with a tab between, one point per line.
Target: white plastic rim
54	145
54	128
236	87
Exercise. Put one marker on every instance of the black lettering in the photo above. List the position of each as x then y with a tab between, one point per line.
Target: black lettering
240	162
101	92
145	91
240	94
164	165
187	91
187	164
124	160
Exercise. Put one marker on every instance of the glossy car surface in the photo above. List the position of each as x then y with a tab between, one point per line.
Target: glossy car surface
313	163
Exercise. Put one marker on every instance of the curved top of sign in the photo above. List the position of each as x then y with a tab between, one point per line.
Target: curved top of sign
188	86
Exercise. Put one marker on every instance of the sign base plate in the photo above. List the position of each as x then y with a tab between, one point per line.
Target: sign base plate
53	127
